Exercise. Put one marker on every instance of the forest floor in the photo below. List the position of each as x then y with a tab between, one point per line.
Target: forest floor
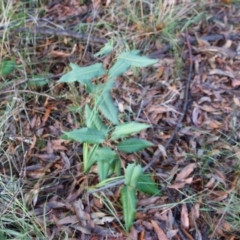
190	98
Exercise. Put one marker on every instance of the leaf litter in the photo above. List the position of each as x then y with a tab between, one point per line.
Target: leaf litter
199	169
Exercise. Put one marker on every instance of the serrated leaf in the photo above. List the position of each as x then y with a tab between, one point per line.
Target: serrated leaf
133	145
127	129
85	135
132	173
128	175
83	75
135	60
93	120
128	198
146	185
6	67
106	106
105	50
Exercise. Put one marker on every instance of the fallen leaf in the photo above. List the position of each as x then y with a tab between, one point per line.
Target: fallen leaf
184	216
236	101
172	233
195	211
161	235
235	82
81	229
68	220
177	185
185	172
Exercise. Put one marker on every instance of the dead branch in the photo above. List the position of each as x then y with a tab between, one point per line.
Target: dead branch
62	33
210	38
185	106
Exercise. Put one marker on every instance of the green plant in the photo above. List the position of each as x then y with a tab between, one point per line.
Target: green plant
96	133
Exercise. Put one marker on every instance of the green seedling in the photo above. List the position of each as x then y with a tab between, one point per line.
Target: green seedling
95	135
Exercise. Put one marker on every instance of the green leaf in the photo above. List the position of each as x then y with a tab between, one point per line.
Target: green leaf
135	60
132	173
103	169
128	174
107	107
102	89
127	129
85	135
89	156
129	202
83	75
119	67
133	145
6	67
146	185
105	50
93	120
115	166
105	157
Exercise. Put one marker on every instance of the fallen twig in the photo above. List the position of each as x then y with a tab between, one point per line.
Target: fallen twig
62	33
10	87
185	106
210	38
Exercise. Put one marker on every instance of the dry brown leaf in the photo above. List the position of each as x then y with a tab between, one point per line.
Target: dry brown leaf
134	233
103	220
195	115
184	216
147	201
58	144
68	220
162	150
32	196
210	109
161	235
213	124
47	157
159	109
236	101
79	208
226	1
210	183
172	233
177	185
81	229
33	143
204	99
46	114
188	236
63	54
188	180
235	82
185	172
195	211
218	195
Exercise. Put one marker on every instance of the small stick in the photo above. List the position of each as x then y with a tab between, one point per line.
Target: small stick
63	33
185	106
210	38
